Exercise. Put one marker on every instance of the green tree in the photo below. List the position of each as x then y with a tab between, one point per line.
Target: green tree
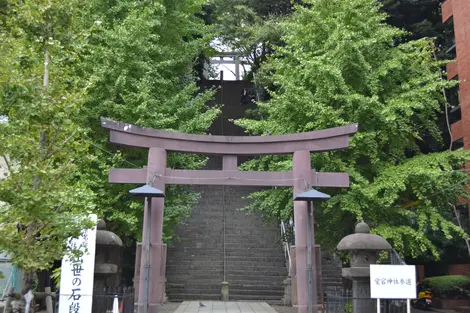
43	199
249	27
140	59
340	63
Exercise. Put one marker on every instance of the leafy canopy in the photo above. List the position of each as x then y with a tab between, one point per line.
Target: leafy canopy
139	60
42	196
340	63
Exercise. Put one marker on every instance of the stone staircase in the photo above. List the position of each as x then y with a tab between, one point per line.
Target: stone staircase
254	260
331	271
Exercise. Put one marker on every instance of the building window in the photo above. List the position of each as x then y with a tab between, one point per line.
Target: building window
448	46
453	98
458	144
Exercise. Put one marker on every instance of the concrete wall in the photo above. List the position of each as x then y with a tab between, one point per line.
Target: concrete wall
459	269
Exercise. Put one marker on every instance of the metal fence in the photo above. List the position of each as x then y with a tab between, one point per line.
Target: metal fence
340	300
103	300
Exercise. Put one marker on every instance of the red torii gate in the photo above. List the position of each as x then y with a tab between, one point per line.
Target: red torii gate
158	175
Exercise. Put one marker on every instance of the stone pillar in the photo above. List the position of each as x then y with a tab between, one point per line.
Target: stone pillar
155	177
293	276
301	165
138	254
421	273
287	298
224	291
363	249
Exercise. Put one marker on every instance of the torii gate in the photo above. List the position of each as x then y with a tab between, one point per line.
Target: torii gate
158	175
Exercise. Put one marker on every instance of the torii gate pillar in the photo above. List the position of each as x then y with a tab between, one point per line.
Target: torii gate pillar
156	168
301	166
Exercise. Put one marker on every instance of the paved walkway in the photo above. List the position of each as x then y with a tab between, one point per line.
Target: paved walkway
224	307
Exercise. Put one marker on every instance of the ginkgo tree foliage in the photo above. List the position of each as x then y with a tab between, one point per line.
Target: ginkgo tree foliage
339	63
139	59
43	200
65	64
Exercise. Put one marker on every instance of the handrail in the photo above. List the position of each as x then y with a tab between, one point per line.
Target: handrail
286	246
395	258
7	286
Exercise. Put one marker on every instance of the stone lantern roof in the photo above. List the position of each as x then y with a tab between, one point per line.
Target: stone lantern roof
363	240
105	237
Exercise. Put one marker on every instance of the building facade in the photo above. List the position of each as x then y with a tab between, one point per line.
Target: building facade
458	13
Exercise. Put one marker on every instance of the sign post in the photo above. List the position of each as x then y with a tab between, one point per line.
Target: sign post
76	276
393	282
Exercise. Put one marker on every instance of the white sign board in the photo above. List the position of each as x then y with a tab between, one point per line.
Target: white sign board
76	276
392	282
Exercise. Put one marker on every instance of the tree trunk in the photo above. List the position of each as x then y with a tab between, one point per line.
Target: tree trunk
457	216
28	277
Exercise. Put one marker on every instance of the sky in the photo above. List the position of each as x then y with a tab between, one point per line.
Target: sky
228	69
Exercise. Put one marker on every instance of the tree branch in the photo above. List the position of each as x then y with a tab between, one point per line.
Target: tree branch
61	146
457	216
51	145
7	163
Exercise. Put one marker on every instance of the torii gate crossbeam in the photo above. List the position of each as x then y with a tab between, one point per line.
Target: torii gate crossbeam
155	173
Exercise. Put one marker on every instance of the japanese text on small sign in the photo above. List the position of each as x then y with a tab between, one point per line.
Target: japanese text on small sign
393	281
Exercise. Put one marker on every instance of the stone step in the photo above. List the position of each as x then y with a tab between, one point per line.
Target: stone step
205	232
259	292
171	286
250	286
273	280
254	297
195	272
201	279
268	272
238	239
231	268
256	268
266	292
230	273
179	297
215	297
216	281
262	252
207	246
233	220
332	281
233	259
213	288
233	248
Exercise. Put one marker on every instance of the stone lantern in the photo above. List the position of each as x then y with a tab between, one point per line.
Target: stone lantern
363	249
107	258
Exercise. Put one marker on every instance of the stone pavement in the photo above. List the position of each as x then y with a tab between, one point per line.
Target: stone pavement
224	307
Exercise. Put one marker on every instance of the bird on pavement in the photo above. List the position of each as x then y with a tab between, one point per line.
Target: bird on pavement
201	305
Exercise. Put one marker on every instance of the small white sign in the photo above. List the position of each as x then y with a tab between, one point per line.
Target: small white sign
76	276
392	281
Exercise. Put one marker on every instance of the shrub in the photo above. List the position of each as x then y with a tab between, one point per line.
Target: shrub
449	287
